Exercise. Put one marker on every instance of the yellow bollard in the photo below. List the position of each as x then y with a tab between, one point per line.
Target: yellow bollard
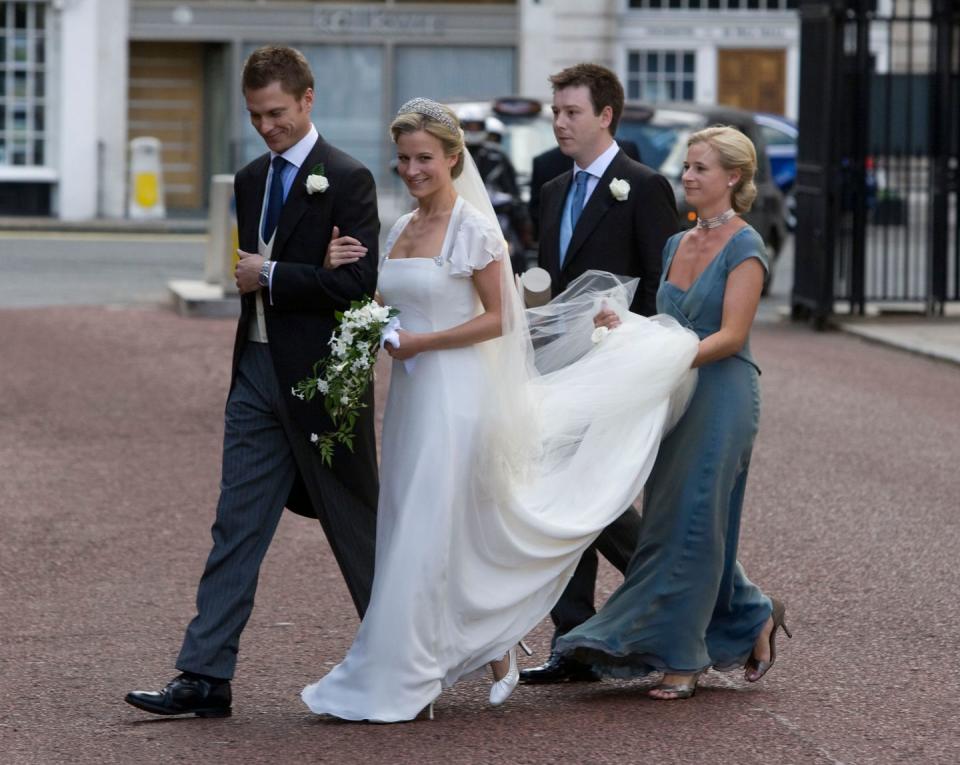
145	194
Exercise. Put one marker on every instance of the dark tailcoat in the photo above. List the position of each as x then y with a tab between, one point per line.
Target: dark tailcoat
305	295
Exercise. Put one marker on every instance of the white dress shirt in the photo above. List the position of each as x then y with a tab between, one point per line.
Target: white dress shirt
597	168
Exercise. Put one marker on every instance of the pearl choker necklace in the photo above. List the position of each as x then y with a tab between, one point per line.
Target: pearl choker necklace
724	217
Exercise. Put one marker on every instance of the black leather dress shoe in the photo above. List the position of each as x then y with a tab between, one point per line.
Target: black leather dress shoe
560	669
185	695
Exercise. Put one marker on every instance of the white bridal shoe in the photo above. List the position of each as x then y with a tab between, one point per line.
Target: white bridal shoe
501	689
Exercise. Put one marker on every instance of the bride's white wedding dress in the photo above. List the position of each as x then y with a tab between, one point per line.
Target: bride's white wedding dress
469	556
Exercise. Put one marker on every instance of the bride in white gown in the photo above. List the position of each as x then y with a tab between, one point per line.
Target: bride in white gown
499	466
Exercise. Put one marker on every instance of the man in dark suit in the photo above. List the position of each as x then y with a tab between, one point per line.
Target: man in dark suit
548	165
610	213
288	202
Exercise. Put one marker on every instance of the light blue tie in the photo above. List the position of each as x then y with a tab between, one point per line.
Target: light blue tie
579	194
572	211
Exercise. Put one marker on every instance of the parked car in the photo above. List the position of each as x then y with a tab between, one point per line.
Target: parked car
661	131
780	135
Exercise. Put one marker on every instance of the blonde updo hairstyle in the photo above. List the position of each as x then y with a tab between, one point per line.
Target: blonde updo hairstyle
735	152
450	138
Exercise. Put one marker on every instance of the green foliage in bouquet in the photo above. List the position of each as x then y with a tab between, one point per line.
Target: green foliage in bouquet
342	377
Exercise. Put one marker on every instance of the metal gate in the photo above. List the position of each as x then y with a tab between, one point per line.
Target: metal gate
877	180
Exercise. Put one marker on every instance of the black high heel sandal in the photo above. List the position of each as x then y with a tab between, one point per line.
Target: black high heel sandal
760	668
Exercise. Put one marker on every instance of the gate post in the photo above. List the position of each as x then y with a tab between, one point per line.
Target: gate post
858	84
942	113
817	189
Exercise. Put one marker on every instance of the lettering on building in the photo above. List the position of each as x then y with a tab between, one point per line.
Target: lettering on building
363	20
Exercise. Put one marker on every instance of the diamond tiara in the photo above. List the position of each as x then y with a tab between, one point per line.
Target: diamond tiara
428	108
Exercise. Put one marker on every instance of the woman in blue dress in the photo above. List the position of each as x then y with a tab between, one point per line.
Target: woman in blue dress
686	605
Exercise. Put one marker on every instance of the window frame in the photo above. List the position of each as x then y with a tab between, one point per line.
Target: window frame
25	69
637	81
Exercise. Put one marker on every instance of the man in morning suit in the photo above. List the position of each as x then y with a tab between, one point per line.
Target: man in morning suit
287	316
584	225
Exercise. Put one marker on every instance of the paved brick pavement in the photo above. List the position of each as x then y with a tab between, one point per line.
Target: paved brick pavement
110	430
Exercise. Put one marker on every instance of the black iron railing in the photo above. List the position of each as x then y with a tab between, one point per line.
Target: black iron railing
878	156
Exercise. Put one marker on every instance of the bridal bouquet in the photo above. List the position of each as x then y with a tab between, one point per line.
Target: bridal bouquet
343	376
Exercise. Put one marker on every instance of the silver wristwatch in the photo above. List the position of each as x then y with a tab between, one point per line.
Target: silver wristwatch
263	279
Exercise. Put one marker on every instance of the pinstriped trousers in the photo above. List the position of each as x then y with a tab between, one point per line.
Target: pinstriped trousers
262	449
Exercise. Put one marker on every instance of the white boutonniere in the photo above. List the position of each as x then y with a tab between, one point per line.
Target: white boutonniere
620	189
317	182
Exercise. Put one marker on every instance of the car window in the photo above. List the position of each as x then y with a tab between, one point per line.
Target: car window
672	165
760	144
774	137
655	142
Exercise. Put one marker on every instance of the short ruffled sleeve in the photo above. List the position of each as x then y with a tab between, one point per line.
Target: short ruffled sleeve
746	244
478	242
394	234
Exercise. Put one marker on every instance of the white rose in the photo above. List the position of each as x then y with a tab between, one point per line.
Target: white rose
317	183
346	336
381	313
323	387
599	333
314	438
620	189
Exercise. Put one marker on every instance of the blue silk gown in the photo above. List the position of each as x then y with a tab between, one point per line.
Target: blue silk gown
685	603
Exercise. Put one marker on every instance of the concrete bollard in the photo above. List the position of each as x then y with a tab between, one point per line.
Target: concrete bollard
217	294
223	239
145	200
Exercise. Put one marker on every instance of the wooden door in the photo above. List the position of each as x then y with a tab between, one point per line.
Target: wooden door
166	101
753	79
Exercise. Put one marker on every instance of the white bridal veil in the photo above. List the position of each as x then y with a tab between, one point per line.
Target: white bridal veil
556	387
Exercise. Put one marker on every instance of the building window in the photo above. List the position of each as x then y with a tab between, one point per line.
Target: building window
23	97
715	5
660	75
